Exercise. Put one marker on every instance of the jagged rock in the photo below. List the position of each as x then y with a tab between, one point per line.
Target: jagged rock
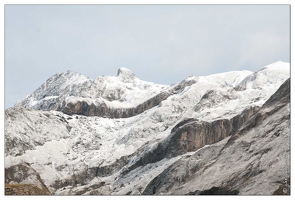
125	74
22	179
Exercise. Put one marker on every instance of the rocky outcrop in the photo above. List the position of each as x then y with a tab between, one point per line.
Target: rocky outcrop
22	179
102	110
280	99
125	74
195	134
254	160
190	135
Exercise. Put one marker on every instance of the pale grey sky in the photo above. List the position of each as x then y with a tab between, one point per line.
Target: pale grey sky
159	43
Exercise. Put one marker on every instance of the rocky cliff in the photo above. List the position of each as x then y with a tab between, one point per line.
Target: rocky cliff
254	160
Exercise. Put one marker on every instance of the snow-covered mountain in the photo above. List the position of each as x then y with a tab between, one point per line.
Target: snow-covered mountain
121	135
123	90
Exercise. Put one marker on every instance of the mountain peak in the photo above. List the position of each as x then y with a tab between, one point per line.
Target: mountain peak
125	73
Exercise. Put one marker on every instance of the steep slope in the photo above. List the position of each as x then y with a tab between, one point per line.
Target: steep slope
26	129
255	160
128	141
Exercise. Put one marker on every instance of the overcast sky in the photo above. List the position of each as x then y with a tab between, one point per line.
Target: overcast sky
159	43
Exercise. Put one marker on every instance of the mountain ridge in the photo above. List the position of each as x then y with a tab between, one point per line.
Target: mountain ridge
69	95
121	149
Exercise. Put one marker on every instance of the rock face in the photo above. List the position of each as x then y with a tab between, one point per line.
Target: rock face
257	152
225	133
102	110
190	135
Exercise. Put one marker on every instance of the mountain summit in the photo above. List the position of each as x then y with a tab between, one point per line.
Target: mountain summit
225	133
125	74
